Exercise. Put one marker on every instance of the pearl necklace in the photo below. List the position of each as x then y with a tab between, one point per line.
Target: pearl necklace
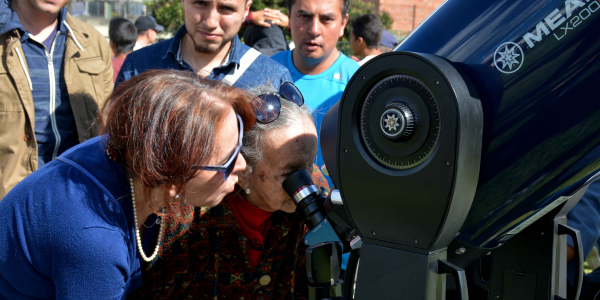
137	230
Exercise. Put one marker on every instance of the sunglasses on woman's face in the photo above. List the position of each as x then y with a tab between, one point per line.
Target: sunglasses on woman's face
267	107
227	168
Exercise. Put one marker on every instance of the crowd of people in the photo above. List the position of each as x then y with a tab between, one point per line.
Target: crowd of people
143	169
153	170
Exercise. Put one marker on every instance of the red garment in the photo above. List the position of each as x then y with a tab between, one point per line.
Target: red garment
248	20
117	63
254	223
208	259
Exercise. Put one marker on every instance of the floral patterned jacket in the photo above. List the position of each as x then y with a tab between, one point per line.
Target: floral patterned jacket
209	260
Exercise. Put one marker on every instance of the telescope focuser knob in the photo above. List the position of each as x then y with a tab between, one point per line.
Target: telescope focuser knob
398	122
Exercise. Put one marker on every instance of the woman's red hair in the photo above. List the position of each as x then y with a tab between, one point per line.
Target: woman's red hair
163	122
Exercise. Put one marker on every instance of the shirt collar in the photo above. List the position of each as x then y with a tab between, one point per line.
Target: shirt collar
234	56
61	20
62	16
175	45
222	216
236	52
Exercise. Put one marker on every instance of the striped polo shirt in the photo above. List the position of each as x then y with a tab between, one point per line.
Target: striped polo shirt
55	129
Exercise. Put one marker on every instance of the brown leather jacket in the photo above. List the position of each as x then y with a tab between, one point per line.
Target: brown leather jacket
88	75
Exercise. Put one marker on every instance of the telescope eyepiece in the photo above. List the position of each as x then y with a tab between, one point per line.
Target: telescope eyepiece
309	202
304	192
296	181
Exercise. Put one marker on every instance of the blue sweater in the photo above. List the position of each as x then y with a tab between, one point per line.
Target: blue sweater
65	236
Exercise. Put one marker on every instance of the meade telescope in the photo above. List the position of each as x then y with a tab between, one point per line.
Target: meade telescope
464	149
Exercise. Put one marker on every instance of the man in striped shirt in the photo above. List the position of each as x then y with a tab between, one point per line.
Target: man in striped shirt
55	75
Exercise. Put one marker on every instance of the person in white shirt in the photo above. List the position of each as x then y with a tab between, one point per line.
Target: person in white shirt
365	35
147	31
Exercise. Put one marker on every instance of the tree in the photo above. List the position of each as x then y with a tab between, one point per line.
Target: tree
275	4
168	13
357	8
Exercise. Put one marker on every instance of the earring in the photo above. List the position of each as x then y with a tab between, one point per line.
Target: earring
248	191
182	201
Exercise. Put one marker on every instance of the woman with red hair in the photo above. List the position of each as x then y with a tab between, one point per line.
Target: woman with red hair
251	246
74	229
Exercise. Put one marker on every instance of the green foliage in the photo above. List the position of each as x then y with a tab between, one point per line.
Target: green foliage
359	7
275	4
386	20
344	47
167	13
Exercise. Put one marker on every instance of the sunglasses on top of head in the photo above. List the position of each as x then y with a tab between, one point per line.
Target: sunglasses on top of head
267	107
227	168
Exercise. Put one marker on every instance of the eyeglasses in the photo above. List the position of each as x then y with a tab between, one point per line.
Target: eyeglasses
227	168
267	107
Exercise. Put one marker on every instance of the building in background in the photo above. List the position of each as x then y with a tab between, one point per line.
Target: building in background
99	13
407	14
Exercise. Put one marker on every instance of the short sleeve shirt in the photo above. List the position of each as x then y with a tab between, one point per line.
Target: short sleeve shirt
323	90
320	93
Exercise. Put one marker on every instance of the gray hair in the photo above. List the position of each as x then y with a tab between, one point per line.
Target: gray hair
253	143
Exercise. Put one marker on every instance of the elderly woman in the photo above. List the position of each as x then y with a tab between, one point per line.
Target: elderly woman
251	246
74	228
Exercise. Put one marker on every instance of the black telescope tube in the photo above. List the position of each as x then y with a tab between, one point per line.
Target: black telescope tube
309	202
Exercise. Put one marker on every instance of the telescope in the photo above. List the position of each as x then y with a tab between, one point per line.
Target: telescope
462	151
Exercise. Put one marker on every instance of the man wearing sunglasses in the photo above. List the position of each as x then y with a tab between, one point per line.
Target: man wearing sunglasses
208	45
320	71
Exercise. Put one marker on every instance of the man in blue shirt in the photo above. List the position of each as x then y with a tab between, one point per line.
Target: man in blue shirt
208	45
318	69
